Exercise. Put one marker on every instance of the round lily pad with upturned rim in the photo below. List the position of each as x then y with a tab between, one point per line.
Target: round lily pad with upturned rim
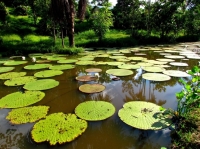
153	69
156	77
19	80
165	60
128	66
141	64
67	61
119	72
27	114
13	63
58	128
93	70
37	66
6	69
178	64
85	63
137	58
115	63
62	67
10	75
86	78
176	73
174	56
91	88
144	115
21	99
42	84
48	73
94	110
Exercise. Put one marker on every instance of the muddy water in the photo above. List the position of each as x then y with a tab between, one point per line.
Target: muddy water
111	133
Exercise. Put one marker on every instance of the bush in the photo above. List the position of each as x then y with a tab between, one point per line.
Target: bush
3	12
21	10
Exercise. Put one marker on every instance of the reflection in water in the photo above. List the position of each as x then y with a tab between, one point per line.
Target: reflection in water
111	133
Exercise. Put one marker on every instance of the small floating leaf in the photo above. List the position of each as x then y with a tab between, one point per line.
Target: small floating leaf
92	88
58	128
21	99
43	84
10	75
27	114
94	110
6	69
13	63
48	73
19	81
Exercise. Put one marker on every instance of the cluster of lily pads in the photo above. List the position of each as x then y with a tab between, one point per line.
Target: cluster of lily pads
59	127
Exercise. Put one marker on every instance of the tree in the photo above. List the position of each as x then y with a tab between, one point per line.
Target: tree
82	9
3	13
102	20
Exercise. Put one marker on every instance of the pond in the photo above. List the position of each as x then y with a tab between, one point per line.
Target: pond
111	132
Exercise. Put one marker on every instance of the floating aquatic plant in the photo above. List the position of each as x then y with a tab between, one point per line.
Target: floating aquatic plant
13	63
37	66
155	77
19	80
43	84
176	73
144	115
93	70
67	61
154	69
47	73
94	110
91	88
21	99
119	72
6	69
86	78
58	128
10	75
128	66
27	114
62	67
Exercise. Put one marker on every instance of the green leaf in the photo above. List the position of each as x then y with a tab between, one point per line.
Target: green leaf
91	88
180	95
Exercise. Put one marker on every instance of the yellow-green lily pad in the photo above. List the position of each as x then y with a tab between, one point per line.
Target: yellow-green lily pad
119	72
21	99
48	73
144	115
91	88
154	69
19	80
42	84
27	114
37	66
6	69
85	62
178	64
155	77
13	63
176	73
62	67
128	66
67	61
10	75
94	110
58	128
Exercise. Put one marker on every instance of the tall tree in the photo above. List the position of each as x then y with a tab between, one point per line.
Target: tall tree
81	9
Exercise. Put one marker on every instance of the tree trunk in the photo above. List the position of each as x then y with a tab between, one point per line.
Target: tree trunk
54	33
63	43
81	9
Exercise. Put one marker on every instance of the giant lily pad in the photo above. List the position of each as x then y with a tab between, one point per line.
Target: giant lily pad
153	69
37	66
58	128
94	110
174	56
48	73
176	73
10	75
27	114
67	61
155	77
21	99
62	67
119	72
56	58
165	60
6	69
144	115
85	62
178	64
129	66
93	70
86	78
19	80
91	88
115	63
13	63
43	84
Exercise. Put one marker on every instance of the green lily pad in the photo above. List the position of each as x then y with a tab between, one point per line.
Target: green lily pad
62	67
165	60
86	78
86	59
67	61
119	72
58	128
27	114
21	99
94	110
143	64
176	73
128	66
144	115
43	61
153	69
57	58
93	70
13	63
137	58
178	64
19	81
35	55
10	75
118	57
155	77
115	63
37	66
85	62
155	62
6	69
123	60
91	88
48	73
43	84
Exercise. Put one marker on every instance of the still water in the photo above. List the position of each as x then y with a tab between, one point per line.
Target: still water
111	133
